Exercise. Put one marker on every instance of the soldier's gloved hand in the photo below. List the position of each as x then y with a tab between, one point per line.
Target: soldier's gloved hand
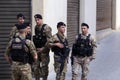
40	49
59	45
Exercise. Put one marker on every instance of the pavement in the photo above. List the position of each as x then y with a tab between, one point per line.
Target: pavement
106	66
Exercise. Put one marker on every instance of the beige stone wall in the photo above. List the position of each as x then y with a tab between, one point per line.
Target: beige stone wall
37	8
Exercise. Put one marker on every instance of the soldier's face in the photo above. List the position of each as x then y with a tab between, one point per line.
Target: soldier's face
84	29
28	29
38	21
62	29
21	20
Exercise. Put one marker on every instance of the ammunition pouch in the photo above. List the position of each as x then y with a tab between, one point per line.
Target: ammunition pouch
23	59
82	51
39	41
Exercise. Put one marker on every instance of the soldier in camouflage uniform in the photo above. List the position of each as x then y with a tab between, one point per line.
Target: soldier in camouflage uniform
42	35
60	59
83	52
29	33
20	19
17	53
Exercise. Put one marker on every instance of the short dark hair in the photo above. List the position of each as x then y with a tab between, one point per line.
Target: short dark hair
20	15
84	24
38	16
59	24
21	26
27	23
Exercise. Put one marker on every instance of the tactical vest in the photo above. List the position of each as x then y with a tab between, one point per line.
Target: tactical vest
82	47
39	38
18	52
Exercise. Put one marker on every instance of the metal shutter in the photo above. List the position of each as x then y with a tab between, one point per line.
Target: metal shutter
104	14
72	20
8	11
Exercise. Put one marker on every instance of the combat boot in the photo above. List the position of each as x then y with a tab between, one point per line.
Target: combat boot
74	77
83	77
62	77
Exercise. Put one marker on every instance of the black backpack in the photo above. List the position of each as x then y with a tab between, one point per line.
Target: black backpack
18	52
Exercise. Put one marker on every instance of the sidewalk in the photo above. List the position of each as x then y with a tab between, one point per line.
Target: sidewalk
107	63
106	66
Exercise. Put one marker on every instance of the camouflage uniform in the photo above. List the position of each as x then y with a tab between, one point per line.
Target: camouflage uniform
57	58
83	61
13	32
43	57
20	70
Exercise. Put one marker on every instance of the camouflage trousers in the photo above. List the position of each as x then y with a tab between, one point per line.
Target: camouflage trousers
60	75
84	63
21	71
42	69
